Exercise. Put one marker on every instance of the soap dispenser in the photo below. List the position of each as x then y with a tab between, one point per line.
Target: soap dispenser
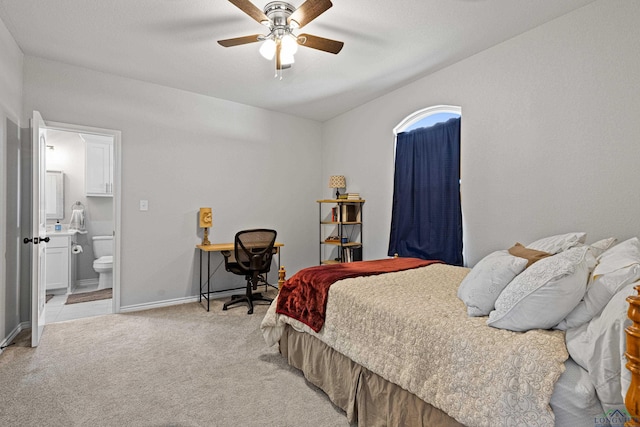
58	226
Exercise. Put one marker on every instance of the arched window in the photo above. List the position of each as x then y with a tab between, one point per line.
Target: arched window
427	117
426	220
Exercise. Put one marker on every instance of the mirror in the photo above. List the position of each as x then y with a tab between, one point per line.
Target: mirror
54	188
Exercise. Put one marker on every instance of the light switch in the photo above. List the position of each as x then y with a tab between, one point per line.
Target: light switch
144	205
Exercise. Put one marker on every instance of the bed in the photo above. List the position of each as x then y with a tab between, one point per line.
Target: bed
526	339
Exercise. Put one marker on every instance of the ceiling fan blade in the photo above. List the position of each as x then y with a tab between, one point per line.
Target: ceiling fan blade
320	43
239	40
250	9
308	11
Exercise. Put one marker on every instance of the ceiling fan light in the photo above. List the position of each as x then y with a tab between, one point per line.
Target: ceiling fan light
268	49
286	58
289	44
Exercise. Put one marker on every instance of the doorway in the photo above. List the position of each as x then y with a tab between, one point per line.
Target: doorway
90	209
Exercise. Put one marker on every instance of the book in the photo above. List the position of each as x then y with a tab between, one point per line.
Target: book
349	213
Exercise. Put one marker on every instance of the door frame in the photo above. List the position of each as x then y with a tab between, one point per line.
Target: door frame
117	193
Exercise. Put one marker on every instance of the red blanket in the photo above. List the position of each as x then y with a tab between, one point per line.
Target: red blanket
304	296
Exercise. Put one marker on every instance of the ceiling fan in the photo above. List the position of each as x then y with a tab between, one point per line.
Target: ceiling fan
283	19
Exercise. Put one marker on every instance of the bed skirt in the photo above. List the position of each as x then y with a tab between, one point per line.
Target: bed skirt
367	398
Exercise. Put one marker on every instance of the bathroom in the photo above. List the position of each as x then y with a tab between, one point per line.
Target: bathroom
80	223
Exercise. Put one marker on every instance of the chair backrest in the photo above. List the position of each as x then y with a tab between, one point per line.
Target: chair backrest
254	249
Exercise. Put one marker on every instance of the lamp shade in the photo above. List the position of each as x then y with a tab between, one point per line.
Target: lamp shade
337	181
206	218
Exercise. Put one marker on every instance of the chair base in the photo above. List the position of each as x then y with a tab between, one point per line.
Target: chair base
248	299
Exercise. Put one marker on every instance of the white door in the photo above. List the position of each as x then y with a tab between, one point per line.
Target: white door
38	228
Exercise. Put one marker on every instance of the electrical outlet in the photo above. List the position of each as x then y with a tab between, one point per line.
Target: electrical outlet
144	205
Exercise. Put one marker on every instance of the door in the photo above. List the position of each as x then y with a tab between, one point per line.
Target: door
38	228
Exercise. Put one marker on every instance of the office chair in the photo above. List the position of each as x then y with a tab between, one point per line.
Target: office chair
252	255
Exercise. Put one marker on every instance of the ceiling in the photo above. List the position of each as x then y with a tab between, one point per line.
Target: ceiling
173	43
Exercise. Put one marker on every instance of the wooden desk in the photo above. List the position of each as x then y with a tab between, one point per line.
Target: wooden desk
219	247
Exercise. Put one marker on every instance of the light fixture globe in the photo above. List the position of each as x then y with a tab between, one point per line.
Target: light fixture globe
268	49
286	59
289	44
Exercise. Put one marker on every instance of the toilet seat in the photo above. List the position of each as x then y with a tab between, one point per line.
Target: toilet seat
104	262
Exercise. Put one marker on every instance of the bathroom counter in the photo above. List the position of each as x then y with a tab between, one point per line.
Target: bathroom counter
64	232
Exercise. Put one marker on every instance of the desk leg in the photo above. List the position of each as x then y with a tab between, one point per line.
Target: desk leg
208	279
266	281
201	293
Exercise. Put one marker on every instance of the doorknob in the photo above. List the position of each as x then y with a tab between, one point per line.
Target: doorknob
35	240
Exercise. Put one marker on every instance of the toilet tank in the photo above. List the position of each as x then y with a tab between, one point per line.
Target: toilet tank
102	246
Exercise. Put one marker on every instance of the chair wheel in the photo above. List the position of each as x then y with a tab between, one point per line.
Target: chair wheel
250	311
224	308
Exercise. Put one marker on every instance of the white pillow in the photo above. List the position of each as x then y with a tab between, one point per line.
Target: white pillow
599	345
616	268
481	287
597	248
543	294
558	243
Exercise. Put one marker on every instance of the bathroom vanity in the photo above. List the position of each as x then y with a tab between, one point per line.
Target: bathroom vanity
61	272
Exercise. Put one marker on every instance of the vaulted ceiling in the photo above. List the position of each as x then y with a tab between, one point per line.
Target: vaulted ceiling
173	43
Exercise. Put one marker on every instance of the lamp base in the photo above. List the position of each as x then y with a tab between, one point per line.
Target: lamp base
337	194
205	239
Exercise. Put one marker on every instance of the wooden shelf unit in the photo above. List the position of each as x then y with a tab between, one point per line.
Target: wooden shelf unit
342	219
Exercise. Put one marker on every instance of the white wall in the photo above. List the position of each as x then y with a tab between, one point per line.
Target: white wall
550	134
182	151
11	60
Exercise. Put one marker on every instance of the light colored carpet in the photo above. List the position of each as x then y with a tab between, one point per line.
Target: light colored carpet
89	296
174	366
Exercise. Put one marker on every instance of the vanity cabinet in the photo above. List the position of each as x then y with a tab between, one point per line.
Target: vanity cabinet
60	269
58	256
99	166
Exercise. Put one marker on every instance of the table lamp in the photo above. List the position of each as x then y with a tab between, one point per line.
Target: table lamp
337	181
206	221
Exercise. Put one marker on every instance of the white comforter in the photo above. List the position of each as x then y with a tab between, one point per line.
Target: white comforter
410	328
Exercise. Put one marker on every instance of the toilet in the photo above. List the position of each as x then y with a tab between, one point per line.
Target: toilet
103	264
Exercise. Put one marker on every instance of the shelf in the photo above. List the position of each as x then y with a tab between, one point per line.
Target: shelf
341	201
331	211
345	245
338	223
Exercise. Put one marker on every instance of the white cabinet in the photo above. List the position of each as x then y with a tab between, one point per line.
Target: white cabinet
58	262
99	166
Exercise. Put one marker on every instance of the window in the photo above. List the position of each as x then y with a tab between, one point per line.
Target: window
426	217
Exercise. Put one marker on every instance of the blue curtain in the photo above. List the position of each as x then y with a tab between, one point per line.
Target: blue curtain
426	218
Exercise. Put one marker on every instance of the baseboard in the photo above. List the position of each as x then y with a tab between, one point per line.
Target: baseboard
84	283
157	304
176	301
21	327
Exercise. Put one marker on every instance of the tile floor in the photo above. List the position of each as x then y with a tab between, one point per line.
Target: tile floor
57	311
